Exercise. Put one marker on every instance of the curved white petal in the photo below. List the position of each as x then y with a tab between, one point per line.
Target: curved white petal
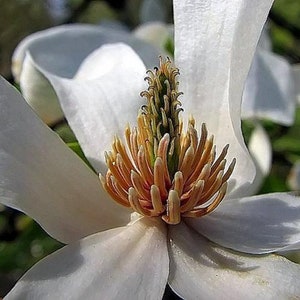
153	10
39	93
200	269
264	41
269	91
214	45
296	75
99	104
257	224
261	151
60	51
294	177
122	263
40	176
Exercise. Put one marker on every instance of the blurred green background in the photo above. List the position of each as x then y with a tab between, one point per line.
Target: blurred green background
22	241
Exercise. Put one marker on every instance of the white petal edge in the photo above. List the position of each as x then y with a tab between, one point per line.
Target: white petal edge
200	269
269	91
153	10
260	148
261	151
123	263
39	93
99	105
214	46
296	75
294	177
264	41
258	224
40	176
60	51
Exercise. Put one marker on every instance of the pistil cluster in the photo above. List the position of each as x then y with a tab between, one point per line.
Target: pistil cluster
161	171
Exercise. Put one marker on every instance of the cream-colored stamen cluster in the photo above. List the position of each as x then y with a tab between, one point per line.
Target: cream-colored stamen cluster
162	172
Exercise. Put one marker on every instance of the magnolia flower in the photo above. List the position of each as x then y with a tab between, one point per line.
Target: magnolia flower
259	98
224	254
57	43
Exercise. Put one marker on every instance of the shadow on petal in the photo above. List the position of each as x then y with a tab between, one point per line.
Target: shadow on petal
124	263
208	253
200	269
258	224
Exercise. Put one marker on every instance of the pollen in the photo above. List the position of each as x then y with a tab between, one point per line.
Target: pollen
161	171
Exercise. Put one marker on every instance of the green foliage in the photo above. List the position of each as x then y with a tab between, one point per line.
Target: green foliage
66	133
77	149
285	28
289	10
289	143
31	245
170	47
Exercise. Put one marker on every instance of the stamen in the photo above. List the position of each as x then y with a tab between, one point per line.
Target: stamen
112	191
138	185
156	200
144	167
187	162
159	179
135	203
162	153
178	182
161	171
206	210
229	170
173	209
194	198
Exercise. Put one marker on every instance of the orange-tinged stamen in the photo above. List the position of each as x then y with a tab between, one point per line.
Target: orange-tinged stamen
161	171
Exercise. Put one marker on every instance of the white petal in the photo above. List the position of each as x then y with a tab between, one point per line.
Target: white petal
261	151
200	269
114	24
153	10
214	45
123	263
264	41
39	93
294	177
60	51
40	176
100	104
257	224
269	91
296	75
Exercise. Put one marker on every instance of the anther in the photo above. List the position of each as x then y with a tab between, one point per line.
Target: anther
173	209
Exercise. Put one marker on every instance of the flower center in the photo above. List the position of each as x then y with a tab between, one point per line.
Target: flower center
163	172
